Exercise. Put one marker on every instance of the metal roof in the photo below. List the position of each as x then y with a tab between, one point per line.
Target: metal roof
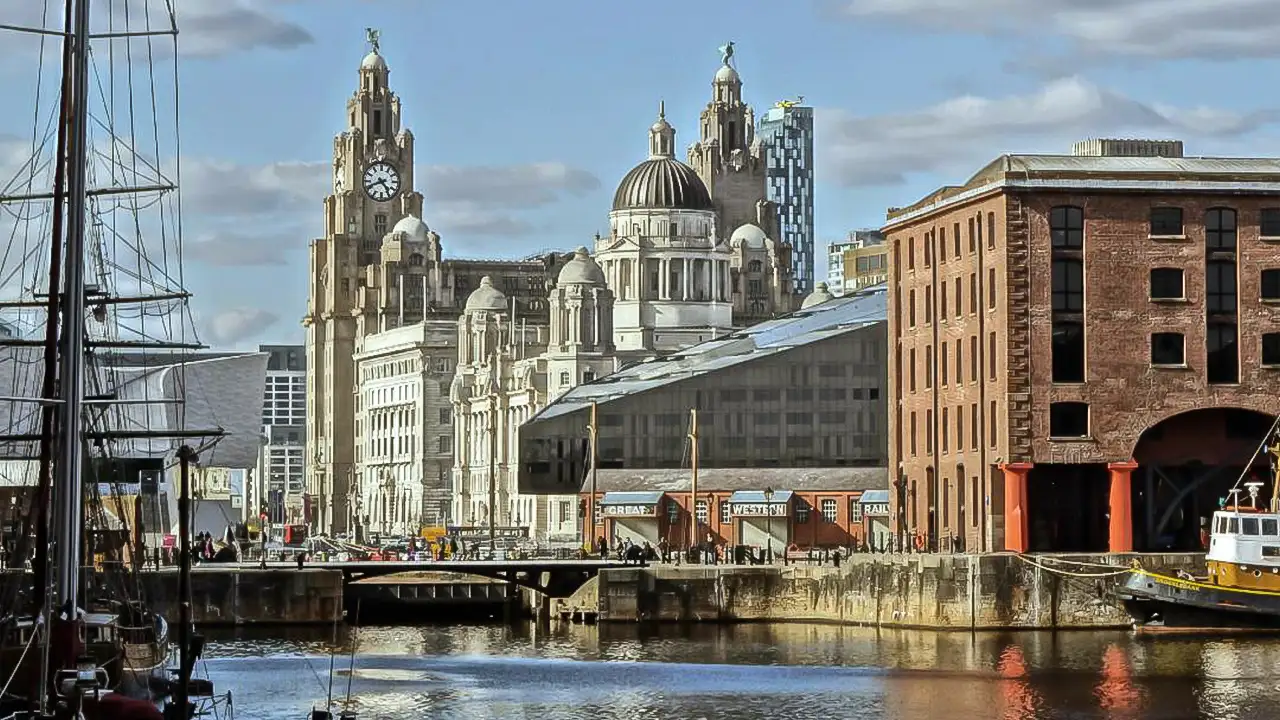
631	498
803	479
819	322
779	497
1144	165
874	496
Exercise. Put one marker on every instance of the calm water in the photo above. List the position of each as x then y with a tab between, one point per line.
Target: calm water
746	672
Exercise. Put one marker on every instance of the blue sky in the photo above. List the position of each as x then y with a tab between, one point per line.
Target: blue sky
527	113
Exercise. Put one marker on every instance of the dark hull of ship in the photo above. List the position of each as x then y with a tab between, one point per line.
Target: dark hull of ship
1164	603
135	669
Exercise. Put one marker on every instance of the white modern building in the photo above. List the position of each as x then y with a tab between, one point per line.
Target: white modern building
279	479
853	265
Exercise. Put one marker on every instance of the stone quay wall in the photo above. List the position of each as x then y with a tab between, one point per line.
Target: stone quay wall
244	596
943	592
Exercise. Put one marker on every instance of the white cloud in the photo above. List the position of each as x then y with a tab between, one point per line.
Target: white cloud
1225	29
206	28
236	325
958	134
282	201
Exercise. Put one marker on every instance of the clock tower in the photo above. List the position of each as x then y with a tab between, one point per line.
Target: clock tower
372	191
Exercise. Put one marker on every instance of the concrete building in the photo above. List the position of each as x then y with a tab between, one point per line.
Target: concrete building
859	261
278	485
404	428
1083	347
664	278
379	267
787	132
801	391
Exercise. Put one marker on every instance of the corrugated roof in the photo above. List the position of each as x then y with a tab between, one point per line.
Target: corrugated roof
872	497
732	479
829	319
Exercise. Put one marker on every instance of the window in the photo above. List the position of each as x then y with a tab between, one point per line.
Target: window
446	415
1223	362
1269	223
955	235
959	428
855	510
588	376
942	245
991	230
1166	221
1220	287
959	302
802	513
1168	348
975	431
942	293
1167	284
1066	228
911	308
1068	286
928	431
911	371
991	356
946	429
928	304
944	365
829	510
1270	284
700	511
1271	349
1068	352
911	253
444	444
913	434
992	419
991	288
928	366
973	240
726	512
973	293
973	358
1220	229
673	512
1068	420
565	377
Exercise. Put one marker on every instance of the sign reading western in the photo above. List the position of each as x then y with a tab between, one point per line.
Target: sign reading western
631	510
777	509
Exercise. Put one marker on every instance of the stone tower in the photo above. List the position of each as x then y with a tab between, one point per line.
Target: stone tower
729	157
372	191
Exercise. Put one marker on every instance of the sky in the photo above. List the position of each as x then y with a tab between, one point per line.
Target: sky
526	114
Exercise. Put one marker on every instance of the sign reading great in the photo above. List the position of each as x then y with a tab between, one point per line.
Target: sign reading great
631	510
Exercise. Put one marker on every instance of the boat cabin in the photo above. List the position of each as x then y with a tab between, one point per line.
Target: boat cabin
1245	536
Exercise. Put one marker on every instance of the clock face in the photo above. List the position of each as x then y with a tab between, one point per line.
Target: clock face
381	181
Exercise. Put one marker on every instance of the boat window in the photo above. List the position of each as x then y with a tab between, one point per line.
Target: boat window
1233	526
1250	526
1269	526
1221	524
1271	551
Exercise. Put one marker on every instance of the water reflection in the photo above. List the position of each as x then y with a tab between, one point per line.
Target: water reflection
748	671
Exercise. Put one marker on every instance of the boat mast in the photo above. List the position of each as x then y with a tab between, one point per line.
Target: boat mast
69	496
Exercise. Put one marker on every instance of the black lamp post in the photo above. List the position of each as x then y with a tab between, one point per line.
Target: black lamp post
768	510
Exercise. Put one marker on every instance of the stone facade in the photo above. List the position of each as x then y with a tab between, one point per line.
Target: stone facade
985	276
378	267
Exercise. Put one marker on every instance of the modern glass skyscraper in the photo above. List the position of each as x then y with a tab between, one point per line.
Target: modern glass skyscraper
787	132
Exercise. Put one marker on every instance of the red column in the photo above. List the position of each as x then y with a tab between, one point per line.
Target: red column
1121	506
1016	529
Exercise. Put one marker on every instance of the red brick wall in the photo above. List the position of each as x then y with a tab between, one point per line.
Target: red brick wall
817	532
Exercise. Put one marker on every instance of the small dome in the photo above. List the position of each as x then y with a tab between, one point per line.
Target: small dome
486	298
413	228
662	183
727	74
373	61
581	270
750	235
660	125
819	295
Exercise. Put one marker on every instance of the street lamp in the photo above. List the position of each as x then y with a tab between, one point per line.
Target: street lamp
768	519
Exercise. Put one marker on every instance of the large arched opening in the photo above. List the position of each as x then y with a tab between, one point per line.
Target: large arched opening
1187	463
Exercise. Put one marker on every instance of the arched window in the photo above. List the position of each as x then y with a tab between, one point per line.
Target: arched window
416	260
755	266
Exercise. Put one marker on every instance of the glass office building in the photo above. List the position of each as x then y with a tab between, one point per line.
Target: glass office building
787	131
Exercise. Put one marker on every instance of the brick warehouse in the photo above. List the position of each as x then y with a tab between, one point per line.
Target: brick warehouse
1083	348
